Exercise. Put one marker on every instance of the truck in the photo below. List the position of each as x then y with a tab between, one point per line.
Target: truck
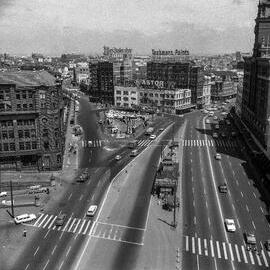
149	131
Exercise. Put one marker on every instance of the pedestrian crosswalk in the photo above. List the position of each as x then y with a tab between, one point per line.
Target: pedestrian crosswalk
142	143
102	230
226	251
73	225
93	143
217	143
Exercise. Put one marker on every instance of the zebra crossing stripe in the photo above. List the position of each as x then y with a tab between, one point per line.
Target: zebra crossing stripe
52	222
35	224
258	259
231	253
225	251
251	257
89	222
65	225
244	254
42	221
264	259
70	227
218	249
187	249
199	246
81	227
212	248
203	143
205	247
47	222
193	245
79	220
237	253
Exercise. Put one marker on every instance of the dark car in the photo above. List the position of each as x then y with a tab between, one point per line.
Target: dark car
223	188
60	220
250	238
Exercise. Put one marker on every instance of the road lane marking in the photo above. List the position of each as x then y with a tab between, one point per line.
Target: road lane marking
253	225
231	252
225	251
264	259
70	227
244	254
251	257
26	267
61	234
81	226
247	208
46	264
69	196
46	234
52	222
205	247
261	209
254	195
199	246
81	197
242	194
238	223
76	226
39	225
89	222
237	182
68	251
47	222
187	248
35	224
61	265
195	220
212	248
237	253
54	249
209	221
66	224
258	259
218	250
193	245
36	251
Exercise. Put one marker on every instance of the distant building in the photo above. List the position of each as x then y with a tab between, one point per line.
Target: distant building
101	87
82	73
222	90
31	120
127	97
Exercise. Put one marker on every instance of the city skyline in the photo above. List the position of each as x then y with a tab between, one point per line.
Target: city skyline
50	27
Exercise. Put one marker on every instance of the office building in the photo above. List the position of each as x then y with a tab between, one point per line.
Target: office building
31	120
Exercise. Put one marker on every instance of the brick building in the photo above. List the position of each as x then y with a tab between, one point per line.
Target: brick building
31	121
101	87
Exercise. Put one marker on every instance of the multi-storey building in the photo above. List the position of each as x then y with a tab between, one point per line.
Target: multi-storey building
31	121
127	97
222	90
101	87
255	109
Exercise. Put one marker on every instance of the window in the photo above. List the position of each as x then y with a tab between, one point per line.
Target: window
10	123
18	107
3	123
2	107
30	94
18	96
34	145
8	107
4	135
42	105
58	159
21	145
118	92
24	94
19	122
30	106
118	98
11	134
42	95
125	92
27	134
151	95
6	148
12	147
45	132
46	145
125	98
1	96
141	94
156	95
33	133
27	146
56	132
25	107
31	122
0	147
20	133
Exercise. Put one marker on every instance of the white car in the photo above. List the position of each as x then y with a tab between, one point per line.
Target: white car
152	137
3	194
215	135
24	218
218	156
118	157
230	225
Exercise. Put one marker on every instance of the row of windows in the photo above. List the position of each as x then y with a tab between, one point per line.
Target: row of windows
25	107
7	123
6	147
22	134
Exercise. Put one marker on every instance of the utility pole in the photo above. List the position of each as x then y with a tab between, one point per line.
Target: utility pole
11	197
174	204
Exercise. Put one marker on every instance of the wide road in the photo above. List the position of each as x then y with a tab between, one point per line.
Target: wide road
56	248
207	244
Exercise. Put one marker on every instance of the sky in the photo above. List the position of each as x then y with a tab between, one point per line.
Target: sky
53	27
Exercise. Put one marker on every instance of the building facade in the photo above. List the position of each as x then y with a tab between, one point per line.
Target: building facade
31	120
222	90
127	97
256	83
101	87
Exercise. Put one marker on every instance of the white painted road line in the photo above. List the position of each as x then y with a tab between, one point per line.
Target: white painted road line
251	257
225	251
54	249
47	221
52	222
218	249
46	264
46	234
89	222
80	197
193	245
258	259
69	196
68	251
264	259
35	224
199	246
212	248
70	227
66	224
261	209
205	247
39	225
231	252
242	194
81	226
254	195
244	254
36	251
247	208
187	248
237	253
76	226
26	267
61	265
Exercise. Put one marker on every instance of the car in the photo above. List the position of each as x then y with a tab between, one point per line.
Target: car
215	118
134	153
267	245
91	211
118	157
161	129
250	238
3	194
215	135
60	220
230	225
218	156
24	218
223	188
228	122
84	176
207	121
152	137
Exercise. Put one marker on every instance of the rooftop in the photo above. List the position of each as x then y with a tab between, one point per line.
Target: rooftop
27	78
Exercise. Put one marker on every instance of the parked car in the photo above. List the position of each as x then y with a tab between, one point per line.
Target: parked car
230	225
223	135
60	220
218	156
223	188
152	137
3	194
215	135
118	157
24	218
250	238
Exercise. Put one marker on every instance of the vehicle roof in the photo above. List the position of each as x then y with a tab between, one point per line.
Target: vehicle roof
92	207
22	216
